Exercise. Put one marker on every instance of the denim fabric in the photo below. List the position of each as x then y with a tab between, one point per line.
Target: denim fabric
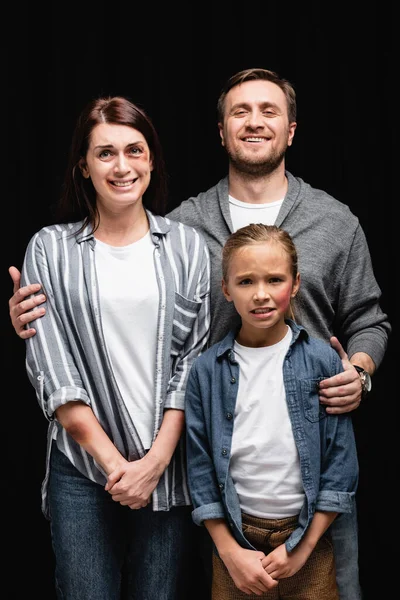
325	443
105	551
344	536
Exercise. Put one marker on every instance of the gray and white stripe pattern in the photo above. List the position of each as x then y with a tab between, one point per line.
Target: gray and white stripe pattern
67	359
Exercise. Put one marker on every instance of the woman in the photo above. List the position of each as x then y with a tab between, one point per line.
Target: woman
127	312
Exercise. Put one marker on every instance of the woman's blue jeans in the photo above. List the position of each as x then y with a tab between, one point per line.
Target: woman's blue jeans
106	551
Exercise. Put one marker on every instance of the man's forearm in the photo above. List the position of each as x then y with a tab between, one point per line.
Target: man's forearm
361	359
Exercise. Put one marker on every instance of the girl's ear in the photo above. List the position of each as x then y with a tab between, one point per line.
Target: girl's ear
84	169
225	291
296	285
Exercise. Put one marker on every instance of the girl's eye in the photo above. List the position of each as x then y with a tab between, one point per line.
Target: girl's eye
245	282
105	154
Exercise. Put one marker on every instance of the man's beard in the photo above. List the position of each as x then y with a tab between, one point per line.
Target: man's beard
256	167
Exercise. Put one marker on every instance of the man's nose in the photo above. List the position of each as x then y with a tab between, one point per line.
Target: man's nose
255	119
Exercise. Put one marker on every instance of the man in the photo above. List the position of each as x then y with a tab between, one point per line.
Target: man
339	295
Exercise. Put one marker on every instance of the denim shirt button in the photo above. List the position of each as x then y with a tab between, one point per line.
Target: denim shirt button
224	452
233	379
221	486
229	416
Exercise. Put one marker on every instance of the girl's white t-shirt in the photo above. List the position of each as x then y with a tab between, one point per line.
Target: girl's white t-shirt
265	464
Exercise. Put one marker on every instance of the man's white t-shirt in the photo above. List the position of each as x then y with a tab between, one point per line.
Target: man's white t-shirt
244	213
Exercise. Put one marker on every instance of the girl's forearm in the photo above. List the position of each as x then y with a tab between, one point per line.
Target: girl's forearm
221	536
319	524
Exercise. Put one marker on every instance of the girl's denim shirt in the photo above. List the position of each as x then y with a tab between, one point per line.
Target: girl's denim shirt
325	443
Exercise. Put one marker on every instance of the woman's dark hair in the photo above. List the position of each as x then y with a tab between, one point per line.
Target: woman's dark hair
78	196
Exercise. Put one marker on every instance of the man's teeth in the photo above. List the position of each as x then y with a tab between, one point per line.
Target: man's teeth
254	139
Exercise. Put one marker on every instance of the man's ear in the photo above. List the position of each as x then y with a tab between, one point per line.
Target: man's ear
292	129
225	291
221	133
84	168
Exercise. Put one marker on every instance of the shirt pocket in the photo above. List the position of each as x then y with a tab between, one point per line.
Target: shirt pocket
313	410
185	315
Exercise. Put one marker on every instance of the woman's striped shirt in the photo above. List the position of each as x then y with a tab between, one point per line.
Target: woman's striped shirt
67	359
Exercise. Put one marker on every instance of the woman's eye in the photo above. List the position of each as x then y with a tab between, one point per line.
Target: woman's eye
136	150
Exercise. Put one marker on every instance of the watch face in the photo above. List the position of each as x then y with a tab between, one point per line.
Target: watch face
368	382
365	377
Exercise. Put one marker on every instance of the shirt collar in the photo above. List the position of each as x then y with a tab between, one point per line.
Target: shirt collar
225	346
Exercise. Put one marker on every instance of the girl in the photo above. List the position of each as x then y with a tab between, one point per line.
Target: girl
269	469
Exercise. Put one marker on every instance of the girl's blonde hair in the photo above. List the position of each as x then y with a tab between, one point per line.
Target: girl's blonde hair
256	233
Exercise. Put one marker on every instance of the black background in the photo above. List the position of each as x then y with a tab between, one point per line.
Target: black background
173	61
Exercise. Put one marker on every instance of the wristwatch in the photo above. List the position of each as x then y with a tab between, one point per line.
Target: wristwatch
366	383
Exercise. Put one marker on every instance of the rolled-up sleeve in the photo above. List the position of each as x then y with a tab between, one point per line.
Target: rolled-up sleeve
50	365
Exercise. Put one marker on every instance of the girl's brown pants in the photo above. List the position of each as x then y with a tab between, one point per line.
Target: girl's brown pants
316	580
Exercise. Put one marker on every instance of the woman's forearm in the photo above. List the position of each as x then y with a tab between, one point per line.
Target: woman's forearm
80	422
167	439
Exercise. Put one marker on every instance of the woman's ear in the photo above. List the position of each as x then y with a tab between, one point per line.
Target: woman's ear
84	168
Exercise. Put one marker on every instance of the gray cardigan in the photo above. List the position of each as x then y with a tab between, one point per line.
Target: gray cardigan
338	294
